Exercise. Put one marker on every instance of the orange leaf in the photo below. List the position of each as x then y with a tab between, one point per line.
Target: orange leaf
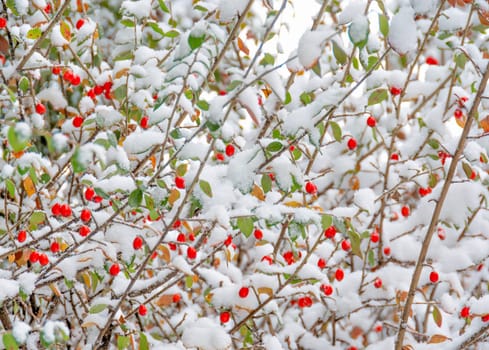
438	338
164	300
356	332
294	204
65	30
484	124
165	253
174	195
258	192
29	187
242	46
153	161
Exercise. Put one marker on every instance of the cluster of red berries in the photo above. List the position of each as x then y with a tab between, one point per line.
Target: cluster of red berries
68	75
229	151
304	302
42	258
443	156
101	89
290	258
90	195
61	210
424	191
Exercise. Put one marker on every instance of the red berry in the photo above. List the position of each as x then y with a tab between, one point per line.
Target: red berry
79	23
327	289
108	86
374	237
43	259
89	193
225	316
430	60
220	157
345	245
22	236
77	121
142	310
339	274
243	292
387	251
191	253
176	297
65	210
180	182
68	75
267	259
144	122
56	209
377	282
465	312
54	247
405	211
434	277
291	148
181	238
75	80
305	302
177	224
222	92
172	246
191	237
473	175
98	89
114	269
84	230
330	232
40	108
97	199
3	22
378	328
352	144
154	255
2	59
47	9
461	101
485	318
395	156
321	263
395	91
91	94
289	257
230	150
34	257
311	187
137	243
458	113
258	234
85	215
352	348
271	176
56	70
228	241
371	121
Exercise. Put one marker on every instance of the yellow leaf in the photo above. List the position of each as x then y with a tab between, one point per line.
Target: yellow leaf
438	338
267	91
55	289
294	204
121	73
29	187
86	279
174	195
258	192
89	324
65	30
63	246
187	226
265	290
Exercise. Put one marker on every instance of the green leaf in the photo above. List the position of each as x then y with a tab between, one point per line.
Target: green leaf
189	281
377	96
150	203
97	308
267	60
34	33
203	105
355	241
305	98
156	28
275	146
437	316
384	25
371	258
467	169
245	225
122	342
434	143
266	183
195	41
182	169
163	6
101	193
78	166
37	217
126	22
10	187
172	34
212	126
135	198
24	84
288	98
339	54
336	131
205	187
11	6
9	341
17	142
460	60
354	33
326	221
143	342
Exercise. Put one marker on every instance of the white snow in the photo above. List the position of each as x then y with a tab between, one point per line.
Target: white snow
402	32
20	331
206	334
139	142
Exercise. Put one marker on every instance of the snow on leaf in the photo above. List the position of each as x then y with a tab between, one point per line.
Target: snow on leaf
402	32
377	96
358	31
311	46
